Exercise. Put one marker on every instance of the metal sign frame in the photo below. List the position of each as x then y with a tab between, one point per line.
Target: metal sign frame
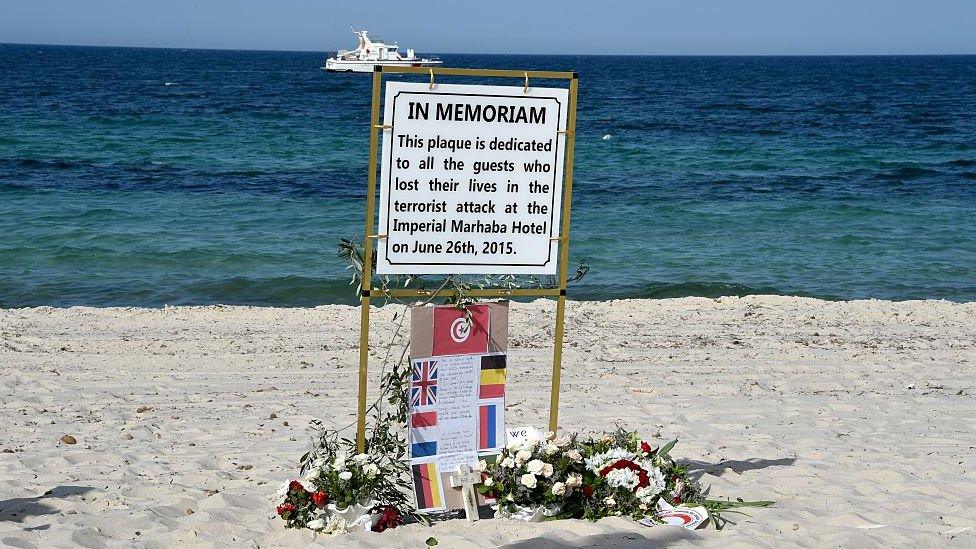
559	292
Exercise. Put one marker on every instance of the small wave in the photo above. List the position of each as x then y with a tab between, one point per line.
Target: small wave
962	162
171	83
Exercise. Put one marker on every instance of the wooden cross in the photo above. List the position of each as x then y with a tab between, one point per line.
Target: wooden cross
467	478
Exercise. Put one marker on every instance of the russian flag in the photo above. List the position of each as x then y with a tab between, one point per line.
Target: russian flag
491	425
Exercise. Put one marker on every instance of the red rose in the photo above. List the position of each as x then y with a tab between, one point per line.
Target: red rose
284	509
643	481
587	490
677	500
389	518
296	486
645	447
320	498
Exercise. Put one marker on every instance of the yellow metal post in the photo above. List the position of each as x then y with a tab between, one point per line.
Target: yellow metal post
368	260
557	352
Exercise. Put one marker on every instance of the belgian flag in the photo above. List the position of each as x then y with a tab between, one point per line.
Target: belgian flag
492	376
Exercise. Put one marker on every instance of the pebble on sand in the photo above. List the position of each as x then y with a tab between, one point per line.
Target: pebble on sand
68	439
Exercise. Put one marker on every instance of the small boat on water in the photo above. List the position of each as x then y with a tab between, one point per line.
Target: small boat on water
372	51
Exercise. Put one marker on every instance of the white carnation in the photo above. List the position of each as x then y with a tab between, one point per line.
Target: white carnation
308	485
345	475
360	458
488	481
371	470
574	481
316	524
610	502
596	462
528	480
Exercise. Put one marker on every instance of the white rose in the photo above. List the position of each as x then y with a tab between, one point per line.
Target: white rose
507	463
528	480
522	456
371	470
547	470
559	489
316	524
535	466
574	481
345	475
488	481
610	502
550	449
482	465
360	458
561	441
574	455
340	461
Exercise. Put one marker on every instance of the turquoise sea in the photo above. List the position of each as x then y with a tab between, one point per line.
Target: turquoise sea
152	176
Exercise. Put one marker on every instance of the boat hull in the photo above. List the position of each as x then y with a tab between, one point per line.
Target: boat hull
339	65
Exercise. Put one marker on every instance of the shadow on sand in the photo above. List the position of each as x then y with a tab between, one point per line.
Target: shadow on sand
661	537
698	469
17	509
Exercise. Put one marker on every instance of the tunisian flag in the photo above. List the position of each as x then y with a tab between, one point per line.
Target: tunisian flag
454	335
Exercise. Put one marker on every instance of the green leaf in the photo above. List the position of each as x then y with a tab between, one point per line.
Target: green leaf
431	541
663	452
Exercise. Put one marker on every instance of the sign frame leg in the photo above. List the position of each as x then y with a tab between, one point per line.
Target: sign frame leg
557	351
367	281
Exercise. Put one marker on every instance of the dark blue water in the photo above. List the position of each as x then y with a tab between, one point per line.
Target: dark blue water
144	177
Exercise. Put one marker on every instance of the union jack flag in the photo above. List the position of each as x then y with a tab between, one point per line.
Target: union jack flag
423	383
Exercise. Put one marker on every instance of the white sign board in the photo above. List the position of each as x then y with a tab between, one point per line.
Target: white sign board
471	179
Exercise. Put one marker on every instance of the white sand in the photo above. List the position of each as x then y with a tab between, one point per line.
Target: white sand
858	418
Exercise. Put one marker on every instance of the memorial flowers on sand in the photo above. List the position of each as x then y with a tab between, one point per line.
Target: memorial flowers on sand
446	412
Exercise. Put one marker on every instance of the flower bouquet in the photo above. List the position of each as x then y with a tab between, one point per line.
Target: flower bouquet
618	474
534	478
344	492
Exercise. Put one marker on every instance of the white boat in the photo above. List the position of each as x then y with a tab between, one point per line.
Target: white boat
372	52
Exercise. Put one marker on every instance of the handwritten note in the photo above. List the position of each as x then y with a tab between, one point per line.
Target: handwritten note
457	404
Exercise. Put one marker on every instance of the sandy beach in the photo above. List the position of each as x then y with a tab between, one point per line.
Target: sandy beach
857	418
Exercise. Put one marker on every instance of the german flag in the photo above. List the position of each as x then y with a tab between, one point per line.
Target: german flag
492	376
427	486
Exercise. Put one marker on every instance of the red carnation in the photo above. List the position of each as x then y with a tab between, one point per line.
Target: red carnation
320	498
284	509
296	486
645	447
677	500
587	490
